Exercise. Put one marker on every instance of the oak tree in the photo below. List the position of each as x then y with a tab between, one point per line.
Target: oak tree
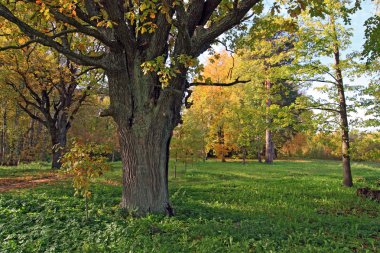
146	49
50	89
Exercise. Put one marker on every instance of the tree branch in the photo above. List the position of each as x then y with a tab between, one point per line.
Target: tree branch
204	37
320	108
32	115
237	81
49	41
83	28
310	80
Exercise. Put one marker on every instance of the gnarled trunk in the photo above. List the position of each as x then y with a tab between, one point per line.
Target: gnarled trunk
145	125
58	141
145	157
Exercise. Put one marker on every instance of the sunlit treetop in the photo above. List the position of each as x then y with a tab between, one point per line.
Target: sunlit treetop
157	28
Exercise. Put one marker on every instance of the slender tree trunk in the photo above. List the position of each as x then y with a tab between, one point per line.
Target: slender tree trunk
42	140
18	143
4	138
259	156
244	151
29	144
347	177
221	144
30	135
269	149
175	165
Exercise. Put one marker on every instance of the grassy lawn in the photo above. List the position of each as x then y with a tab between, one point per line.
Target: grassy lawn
291	206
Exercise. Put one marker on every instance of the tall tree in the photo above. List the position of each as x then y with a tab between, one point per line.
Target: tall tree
321	38
211	105
48	90
146	49
269	47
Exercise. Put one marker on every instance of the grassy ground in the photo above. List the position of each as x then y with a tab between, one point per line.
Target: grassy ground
291	206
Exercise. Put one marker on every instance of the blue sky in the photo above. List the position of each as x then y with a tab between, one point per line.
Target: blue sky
358	19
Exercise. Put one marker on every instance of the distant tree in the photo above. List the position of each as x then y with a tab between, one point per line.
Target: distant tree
48	88
321	38
267	55
89	127
211	105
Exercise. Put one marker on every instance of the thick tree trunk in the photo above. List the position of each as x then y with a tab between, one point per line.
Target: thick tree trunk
145	157
347	177
58	141
145	125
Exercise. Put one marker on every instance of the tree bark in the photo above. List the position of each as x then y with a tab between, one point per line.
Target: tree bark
58	140
145	126
145	161
347	176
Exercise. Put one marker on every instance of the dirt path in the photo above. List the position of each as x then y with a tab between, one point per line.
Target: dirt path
7	184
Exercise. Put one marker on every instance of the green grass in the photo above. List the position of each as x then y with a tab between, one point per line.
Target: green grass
286	207
32	169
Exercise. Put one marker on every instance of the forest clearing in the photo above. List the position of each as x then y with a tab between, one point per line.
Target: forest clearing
231	207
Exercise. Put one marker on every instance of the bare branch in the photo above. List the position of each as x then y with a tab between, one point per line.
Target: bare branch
320	108
310	80
80	102
32	115
237	81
